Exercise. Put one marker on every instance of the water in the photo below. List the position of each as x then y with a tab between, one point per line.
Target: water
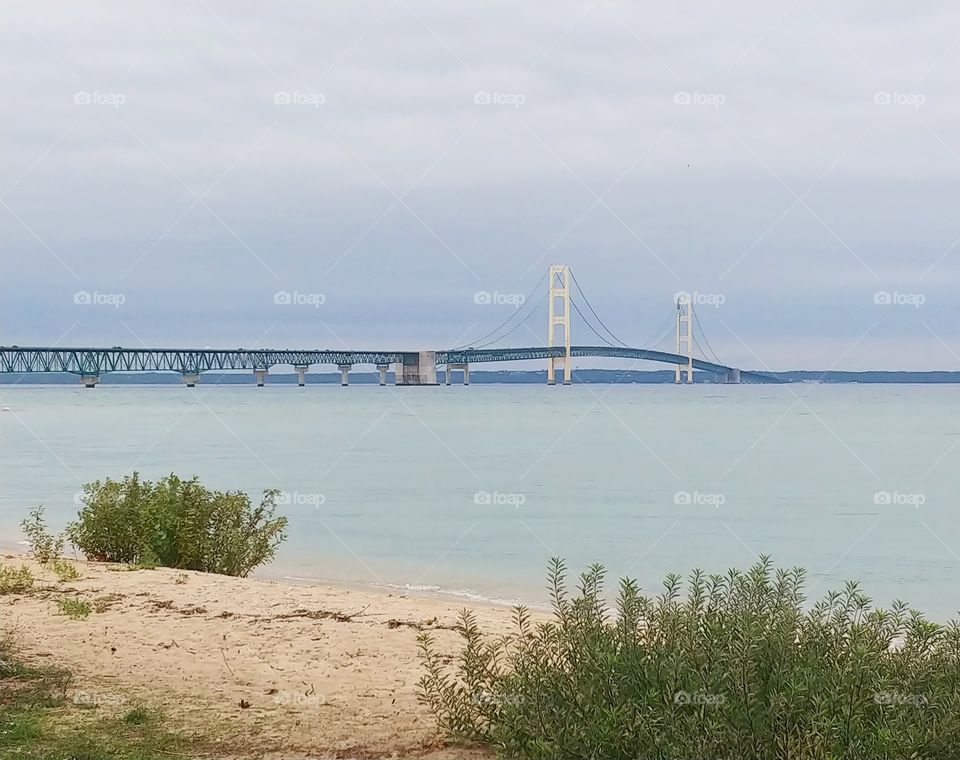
388	485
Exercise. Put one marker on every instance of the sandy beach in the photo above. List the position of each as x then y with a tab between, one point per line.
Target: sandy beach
267	668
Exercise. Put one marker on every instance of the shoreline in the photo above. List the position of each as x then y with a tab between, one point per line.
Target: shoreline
319	670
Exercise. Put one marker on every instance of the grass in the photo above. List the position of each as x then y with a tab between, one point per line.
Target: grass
15	580
75	609
64	570
39	722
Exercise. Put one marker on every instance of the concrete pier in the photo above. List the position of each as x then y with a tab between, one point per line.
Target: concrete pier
261	376
382	369
190	379
344	374
89	381
418	368
301	370
732	376
464	367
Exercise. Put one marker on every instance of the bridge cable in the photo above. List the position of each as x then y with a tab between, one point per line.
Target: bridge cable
513	329
704	335
505	322
593	311
592	328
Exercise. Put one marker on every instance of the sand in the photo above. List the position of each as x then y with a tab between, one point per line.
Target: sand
267	667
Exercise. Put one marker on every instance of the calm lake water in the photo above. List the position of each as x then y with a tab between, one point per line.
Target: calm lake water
470	490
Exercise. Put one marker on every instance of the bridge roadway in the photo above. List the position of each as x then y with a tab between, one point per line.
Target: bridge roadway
189	362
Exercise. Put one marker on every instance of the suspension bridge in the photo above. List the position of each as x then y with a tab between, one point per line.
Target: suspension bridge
413	367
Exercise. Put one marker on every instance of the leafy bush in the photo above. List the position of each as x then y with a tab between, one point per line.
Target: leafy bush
64	570
15	580
176	523
44	546
740	668
76	609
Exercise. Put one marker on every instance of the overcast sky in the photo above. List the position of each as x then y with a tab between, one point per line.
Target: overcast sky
175	166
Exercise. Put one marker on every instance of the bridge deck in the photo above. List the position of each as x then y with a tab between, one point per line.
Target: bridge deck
94	361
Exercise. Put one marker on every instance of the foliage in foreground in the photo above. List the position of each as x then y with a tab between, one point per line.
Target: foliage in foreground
44	546
176	523
33	725
736	669
15	580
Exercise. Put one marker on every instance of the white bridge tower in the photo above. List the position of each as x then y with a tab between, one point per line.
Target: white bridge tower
559	284
685	335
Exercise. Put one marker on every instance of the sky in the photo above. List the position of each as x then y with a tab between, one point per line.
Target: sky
400	174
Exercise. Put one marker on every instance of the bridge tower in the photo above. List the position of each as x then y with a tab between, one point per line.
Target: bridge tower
685	336
559	284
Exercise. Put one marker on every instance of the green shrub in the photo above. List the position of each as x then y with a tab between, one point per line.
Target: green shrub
177	523
64	570
76	609
44	546
739	668
15	580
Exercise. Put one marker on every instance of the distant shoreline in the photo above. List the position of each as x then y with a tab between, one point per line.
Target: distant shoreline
487	377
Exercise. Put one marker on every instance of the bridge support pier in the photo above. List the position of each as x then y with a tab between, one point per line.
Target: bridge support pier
301	370
261	377
89	381
382	369
344	374
417	368
463	366
732	376
190	379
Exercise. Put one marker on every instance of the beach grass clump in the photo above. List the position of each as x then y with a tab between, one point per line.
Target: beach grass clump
75	609
740	666
15	580
177	523
64	570
39	722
